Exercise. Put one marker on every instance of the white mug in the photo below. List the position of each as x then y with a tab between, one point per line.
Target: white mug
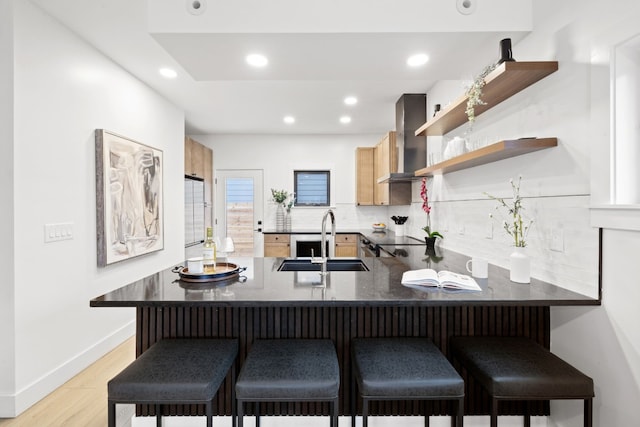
479	267
195	265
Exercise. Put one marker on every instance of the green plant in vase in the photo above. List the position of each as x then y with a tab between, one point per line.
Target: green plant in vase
280	197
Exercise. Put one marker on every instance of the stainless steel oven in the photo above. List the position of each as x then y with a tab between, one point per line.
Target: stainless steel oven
308	245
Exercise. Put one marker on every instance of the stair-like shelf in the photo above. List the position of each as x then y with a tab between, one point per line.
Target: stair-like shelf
491	153
506	80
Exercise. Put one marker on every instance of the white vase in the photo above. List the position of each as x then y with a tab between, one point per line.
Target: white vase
287	221
520	266
399	230
280	218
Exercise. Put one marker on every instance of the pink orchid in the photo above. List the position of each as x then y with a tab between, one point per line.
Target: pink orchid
423	195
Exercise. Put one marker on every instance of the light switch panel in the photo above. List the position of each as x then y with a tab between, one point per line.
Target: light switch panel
57	232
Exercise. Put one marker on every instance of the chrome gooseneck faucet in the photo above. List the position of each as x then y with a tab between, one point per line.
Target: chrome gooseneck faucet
323	238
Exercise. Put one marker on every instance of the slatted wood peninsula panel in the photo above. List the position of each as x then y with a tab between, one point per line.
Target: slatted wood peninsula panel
341	324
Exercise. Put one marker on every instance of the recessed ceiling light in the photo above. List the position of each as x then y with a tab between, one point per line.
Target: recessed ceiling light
417	60
257	60
168	73
345	119
289	120
351	100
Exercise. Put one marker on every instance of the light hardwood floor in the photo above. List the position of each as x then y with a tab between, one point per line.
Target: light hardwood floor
81	401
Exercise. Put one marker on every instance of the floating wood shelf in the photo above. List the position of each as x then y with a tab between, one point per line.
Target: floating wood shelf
506	80
491	153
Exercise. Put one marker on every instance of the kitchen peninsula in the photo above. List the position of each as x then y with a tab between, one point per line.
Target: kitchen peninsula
266	303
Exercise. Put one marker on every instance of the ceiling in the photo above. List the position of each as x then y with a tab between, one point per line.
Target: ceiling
316	59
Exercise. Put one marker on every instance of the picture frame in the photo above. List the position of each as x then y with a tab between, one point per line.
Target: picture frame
129	198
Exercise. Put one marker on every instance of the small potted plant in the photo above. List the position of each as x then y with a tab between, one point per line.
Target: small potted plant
432	235
518	228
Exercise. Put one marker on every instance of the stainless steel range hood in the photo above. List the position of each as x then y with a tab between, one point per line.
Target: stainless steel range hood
411	113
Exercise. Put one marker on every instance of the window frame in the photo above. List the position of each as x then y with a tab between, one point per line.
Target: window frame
325	172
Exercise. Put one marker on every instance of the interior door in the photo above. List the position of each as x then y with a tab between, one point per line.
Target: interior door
239	209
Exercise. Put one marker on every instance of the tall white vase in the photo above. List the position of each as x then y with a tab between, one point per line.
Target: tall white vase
280	218
520	266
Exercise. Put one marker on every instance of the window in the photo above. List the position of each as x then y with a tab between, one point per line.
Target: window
626	126
311	188
615	192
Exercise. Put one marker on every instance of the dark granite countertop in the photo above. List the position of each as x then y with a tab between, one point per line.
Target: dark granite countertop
266	287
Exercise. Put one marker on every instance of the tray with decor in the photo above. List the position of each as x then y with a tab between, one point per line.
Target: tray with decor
223	271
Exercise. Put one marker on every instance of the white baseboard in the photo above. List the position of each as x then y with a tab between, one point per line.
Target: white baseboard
13	405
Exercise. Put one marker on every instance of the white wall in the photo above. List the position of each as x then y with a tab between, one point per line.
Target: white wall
64	89
280	155
7	297
572	104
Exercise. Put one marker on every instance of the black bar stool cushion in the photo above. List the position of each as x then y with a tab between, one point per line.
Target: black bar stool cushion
517	367
175	370
289	369
410	368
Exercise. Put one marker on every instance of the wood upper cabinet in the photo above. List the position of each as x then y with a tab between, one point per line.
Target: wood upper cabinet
277	245
194	158
377	162
385	154
346	245
364	176
386	162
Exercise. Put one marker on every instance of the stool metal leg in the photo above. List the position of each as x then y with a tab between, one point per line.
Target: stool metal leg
459	421
365	412
494	412
354	400
588	412
209	413
239	413
257	414
158	416
112	414
426	421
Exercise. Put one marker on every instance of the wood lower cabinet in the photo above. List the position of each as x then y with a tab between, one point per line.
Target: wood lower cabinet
277	245
346	245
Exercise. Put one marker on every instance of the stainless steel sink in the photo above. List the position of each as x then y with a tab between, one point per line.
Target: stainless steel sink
335	264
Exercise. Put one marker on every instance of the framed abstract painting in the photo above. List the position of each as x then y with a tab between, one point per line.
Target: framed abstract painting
129	206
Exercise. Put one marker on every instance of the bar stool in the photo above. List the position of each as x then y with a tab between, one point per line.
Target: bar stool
289	370
175	371
516	368
403	369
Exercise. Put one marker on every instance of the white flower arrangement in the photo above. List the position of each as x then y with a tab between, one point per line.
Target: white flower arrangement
516	226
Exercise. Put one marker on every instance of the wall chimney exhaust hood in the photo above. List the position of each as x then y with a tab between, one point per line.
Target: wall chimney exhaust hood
411	113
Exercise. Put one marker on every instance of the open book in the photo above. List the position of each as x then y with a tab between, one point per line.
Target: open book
442	279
